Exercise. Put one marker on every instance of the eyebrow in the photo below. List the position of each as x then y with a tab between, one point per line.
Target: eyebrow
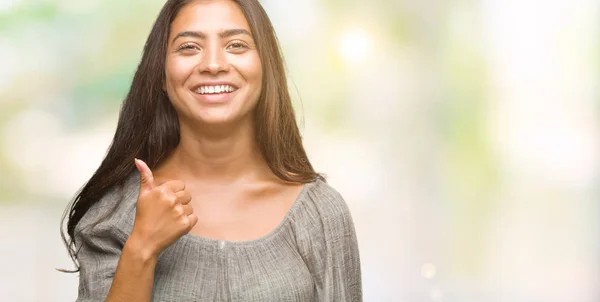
223	34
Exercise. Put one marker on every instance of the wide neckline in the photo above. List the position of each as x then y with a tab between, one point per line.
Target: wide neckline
260	240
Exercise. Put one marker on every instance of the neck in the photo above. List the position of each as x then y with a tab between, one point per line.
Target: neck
217	154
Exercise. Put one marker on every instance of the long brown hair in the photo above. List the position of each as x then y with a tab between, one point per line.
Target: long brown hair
148	127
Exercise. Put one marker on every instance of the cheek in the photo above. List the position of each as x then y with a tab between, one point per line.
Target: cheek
177	70
251	69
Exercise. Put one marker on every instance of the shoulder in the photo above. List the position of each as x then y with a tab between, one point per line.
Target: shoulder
326	198
321	202
322	221
114	209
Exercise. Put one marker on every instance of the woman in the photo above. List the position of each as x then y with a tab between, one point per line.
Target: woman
206	193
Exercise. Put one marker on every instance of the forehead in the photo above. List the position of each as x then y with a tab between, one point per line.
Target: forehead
209	16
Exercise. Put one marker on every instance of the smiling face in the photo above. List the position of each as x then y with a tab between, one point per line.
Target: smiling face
213	69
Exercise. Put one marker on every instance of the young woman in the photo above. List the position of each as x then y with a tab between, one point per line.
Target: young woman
206	193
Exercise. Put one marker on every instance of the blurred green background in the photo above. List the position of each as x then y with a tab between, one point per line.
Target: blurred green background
464	135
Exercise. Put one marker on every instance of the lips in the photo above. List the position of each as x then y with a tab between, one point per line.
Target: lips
214	92
213	97
214	84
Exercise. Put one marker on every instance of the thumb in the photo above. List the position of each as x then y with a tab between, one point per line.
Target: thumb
146	177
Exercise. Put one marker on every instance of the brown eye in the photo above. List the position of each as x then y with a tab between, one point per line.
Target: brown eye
187	47
237	45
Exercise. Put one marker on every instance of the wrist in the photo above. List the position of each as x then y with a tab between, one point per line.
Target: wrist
139	251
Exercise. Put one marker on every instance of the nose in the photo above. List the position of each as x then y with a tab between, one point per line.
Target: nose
214	60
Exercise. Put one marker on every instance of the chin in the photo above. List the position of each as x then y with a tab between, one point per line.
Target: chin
220	115
222	119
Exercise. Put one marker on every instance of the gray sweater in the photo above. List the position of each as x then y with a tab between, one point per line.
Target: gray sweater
312	255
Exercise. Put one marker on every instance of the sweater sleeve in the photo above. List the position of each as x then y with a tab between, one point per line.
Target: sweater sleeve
98	256
100	237
327	241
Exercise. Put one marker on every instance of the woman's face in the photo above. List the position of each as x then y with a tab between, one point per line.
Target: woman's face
213	70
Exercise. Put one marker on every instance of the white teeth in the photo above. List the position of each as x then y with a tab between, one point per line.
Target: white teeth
214	89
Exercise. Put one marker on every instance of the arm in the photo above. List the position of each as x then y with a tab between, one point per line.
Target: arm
162	215
342	273
330	247
102	256
135	274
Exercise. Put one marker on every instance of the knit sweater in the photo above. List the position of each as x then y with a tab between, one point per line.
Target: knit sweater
312	255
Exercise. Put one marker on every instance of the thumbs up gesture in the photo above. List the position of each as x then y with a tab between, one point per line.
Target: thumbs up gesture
163	213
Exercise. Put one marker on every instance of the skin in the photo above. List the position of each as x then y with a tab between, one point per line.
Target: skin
215	184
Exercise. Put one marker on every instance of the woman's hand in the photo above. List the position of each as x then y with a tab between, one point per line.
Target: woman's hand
163	213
